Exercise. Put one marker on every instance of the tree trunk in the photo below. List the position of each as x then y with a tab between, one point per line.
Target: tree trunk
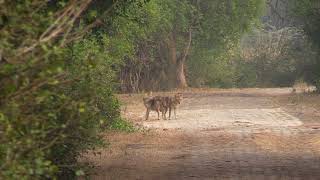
181	78
172	48
176	71
180	72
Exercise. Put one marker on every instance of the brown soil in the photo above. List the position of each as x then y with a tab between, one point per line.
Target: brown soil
219	134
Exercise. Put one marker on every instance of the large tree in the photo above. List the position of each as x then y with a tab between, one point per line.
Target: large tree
184	31
221	26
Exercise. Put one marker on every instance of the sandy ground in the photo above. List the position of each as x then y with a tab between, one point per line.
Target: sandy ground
218	134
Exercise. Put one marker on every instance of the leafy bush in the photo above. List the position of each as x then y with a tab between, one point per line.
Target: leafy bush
245	74
122	125
307	13
56	93
211	73
276	57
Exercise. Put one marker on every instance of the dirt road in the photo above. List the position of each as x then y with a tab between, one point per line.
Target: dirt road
232	134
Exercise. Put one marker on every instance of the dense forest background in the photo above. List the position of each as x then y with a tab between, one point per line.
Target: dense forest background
61	61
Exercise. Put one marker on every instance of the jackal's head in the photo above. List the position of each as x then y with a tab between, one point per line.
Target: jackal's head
146	102
178	98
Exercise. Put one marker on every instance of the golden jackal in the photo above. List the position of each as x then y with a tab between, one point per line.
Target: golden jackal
162	104
157	104
173	102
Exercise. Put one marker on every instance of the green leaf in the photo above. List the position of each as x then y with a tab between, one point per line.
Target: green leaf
79	173
81	110
2	117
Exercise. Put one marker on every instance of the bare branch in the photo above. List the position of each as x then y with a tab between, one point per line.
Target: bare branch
61	24
187	48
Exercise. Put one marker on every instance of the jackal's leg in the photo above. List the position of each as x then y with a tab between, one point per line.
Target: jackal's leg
147	114
164	112
175	114
170	113
158	115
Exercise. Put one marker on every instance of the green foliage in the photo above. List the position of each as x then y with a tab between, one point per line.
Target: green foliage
162	32
307	12
216	44
121	125
245	74
96	61
223	22
275	58
211	71
56	89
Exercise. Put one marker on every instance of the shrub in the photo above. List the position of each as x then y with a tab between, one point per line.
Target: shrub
54	96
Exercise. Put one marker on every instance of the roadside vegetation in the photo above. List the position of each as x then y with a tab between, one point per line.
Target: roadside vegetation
62	61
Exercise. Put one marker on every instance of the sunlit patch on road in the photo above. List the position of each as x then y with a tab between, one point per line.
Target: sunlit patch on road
221	118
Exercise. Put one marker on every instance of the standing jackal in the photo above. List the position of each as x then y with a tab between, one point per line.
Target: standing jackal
173	103
157	104
162	104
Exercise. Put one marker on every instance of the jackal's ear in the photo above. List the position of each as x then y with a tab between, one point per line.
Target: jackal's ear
149	93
